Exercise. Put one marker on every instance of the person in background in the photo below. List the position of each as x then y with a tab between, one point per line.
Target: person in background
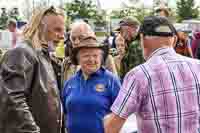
12	27
128	29
182	46
163	92
78	31
196	45
121	50
29	94
88	95
110	40
162	11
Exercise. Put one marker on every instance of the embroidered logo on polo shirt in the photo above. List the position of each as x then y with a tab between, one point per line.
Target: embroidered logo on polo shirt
100	88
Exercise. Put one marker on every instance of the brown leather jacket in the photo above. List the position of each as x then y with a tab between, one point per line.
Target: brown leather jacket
29	96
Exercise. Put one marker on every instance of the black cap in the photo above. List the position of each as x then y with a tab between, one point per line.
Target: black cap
157	26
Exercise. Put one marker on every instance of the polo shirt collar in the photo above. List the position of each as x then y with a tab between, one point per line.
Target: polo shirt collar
97	73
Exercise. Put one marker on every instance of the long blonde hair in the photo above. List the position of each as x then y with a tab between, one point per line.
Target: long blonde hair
34	30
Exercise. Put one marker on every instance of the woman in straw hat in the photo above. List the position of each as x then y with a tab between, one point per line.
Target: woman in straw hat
78	31
88	95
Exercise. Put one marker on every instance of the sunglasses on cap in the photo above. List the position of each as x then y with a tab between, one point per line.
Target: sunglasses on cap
157	26
54	10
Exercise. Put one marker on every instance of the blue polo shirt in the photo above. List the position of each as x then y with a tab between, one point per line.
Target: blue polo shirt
86	102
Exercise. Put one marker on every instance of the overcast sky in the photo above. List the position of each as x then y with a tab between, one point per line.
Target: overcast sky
106	4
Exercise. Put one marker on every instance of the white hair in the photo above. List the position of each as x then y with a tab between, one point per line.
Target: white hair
80	24
82	28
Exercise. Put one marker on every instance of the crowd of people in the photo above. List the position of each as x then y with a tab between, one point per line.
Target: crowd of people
153	74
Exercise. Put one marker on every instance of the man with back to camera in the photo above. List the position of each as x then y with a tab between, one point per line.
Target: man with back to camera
164	91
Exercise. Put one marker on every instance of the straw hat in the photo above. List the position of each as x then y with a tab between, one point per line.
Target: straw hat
89	42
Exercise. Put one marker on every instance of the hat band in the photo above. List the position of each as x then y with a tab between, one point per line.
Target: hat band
164	34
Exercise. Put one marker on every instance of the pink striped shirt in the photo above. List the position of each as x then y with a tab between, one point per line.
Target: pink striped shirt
163	93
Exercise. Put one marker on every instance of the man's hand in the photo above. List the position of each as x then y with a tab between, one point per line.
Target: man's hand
113	123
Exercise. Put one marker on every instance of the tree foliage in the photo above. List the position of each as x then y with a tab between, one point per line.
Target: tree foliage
85	9
3	18
139	13
186	10
80	9
14	13
5	15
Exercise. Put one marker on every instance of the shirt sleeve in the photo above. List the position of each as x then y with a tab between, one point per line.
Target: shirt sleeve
129	97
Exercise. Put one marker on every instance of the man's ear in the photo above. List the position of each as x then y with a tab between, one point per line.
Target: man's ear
174	41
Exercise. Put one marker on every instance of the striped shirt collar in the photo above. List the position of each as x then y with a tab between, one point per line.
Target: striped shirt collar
161	51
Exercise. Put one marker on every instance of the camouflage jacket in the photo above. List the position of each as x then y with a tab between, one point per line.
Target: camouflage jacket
132	58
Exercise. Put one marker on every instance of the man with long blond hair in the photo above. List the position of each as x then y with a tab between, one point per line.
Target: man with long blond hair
29	96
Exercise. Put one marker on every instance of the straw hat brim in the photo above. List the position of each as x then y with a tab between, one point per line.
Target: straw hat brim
104	48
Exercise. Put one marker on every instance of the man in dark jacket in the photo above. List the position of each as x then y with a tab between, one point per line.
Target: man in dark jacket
29	94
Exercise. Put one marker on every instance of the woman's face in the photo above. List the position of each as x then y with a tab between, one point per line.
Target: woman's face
120	45
182	38
90	59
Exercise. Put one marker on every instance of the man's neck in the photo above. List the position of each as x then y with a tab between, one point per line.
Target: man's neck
154	50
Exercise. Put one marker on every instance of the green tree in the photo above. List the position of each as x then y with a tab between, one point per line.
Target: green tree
3	18
5	15
122	13
100	18
85	9
81	9
139	13
14	13
186	10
